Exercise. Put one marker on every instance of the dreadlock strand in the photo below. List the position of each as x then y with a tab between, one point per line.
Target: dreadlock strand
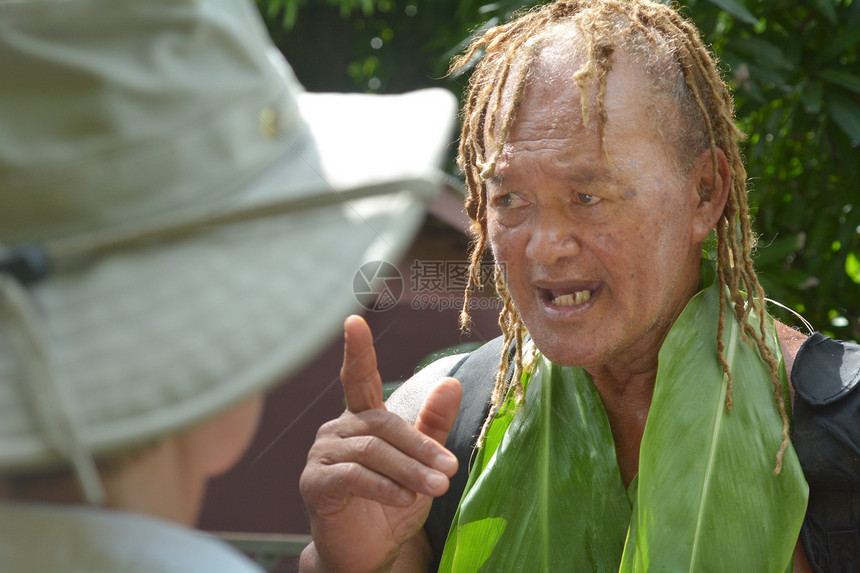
489	168
495	95
721	325
604	66
512	328
473	280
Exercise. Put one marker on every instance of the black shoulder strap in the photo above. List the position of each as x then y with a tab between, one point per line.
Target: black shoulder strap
826	438
476	372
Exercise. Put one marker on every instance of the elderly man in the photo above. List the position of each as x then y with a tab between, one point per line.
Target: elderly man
637	413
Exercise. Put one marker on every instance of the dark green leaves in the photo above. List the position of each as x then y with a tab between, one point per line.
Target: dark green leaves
738	9
846	113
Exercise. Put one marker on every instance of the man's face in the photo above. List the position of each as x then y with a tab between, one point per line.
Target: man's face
599	255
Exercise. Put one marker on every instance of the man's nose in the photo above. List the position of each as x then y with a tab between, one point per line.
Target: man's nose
553	239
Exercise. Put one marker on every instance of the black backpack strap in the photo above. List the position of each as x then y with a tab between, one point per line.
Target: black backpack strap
826	437
477	373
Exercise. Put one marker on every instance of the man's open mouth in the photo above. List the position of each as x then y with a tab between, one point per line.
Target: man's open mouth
568	295
570	299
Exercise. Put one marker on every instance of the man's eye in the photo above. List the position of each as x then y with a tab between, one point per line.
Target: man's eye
508	201
587	200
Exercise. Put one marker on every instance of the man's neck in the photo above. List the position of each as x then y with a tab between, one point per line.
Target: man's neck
626	403
626	387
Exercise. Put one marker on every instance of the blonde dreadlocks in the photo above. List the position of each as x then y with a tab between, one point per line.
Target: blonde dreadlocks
682	70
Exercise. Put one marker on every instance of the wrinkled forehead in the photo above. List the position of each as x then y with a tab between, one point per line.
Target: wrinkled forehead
549	62
552	64
541	83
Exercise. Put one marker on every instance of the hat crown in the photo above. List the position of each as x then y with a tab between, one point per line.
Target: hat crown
198	217
120	111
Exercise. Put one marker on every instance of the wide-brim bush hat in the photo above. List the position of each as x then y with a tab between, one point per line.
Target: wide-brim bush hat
180	222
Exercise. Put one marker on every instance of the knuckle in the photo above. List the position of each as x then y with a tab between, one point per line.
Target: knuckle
375	422
433	418
344	426
391	423
366	446
326	458
410	470
427	447
349	474
308	484
328	429
385	487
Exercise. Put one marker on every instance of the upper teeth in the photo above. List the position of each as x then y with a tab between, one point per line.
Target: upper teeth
574	299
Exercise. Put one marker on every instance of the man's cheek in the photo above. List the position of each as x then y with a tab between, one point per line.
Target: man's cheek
500	239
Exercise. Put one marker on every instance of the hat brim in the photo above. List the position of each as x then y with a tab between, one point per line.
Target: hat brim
147	341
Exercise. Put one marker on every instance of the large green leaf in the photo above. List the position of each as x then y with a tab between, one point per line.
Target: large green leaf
536	480
842	41
712	486
845	113
764	52
736	8
842	78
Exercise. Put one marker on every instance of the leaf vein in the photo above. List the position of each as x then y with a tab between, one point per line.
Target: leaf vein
709	468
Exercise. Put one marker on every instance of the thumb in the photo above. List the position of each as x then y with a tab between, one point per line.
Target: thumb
437	415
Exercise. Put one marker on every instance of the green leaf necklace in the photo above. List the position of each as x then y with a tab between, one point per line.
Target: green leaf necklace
545	493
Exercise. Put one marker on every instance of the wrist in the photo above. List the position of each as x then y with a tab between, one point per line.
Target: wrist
310	562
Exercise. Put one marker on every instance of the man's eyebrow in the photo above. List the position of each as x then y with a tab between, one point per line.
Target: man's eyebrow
497	178
587	175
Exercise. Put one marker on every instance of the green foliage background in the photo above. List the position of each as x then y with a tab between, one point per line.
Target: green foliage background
796	77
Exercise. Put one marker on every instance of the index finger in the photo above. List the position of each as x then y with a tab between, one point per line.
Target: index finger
362	384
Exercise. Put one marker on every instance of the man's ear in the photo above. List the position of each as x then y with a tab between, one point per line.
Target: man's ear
713	191
221	440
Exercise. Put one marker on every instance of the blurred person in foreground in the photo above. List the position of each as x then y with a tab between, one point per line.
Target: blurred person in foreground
179	227
636	413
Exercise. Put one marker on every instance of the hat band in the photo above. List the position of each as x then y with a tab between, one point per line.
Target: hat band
30	262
